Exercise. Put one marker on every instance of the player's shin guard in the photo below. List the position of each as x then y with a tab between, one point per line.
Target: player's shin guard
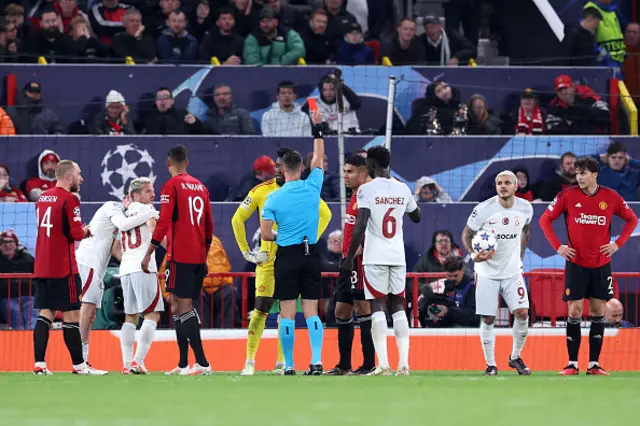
127	340
345	342
519	332
71	334
573	340
287	338
316	336
147	332
379	335
191	326
256	328
368	351
488	338
596	337
183	342
41	339
401	331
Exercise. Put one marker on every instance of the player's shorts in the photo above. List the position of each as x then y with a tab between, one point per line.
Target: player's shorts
58	294
585	283
382	280
297	273
92	285
265	279
488	290
351	288
141	293
185	279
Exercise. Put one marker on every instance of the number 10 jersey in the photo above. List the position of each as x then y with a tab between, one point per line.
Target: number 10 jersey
135	243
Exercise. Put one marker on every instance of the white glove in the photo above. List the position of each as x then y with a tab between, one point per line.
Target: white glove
262	257
250	256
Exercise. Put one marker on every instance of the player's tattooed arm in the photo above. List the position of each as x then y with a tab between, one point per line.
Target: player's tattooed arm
526	236
467	238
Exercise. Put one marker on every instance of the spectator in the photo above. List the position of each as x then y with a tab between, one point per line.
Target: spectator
175	44
372	15
330	261
576	109
246	15
224	118
202	21
331	181
264	168
9	193
481	120
318	47
617	172
404	48
285	117
133	42
6	125
166	119
530	117
15	15
442	246
577	46
68	10
632	63
221	305
30	117
106	19
84	47
114	120
287	15
271	44
338	20
456	305
439	112
46	179
328	106
524	190
49	43
428	191
445	46
565	176
609	35
9	45
222	42
352	50
613	314
17	310
156	19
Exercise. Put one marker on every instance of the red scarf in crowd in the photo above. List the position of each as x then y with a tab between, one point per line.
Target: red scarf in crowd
533	125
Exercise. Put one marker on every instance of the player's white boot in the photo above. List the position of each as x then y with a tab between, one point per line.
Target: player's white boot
178	371
249	368
89	371
138	369
198	370
41	371
402	371
380	371
279	369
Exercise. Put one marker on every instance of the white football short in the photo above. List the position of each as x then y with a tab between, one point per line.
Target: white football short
92	285
141	293
381	280
513	291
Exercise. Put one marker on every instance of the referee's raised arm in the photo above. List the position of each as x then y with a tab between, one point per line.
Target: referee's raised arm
318	141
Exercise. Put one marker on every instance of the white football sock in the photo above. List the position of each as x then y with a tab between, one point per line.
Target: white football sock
147	331
85	351
127	339
488	339
379	334
401	331
520	331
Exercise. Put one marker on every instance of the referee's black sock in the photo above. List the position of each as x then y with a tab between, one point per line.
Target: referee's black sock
191	326
368	350
345	342
596	337
573	338
183	342
41	338
71	334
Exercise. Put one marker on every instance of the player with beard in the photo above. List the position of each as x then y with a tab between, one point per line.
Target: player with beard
265	278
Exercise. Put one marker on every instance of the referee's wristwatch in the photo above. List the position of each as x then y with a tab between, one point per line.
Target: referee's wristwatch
318	130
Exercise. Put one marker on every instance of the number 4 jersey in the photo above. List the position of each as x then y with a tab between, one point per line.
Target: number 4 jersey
388	200
135	242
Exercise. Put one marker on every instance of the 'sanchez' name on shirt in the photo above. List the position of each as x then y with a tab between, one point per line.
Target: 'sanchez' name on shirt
398	201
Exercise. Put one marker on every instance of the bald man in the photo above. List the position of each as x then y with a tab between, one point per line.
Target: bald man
613	315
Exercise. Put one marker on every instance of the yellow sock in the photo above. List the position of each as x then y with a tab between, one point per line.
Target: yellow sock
280	352
256	327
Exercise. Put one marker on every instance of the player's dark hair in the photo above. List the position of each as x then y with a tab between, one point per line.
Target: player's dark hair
591	12
356	160
453	264
587	163
178	154
283	151
380	155
292	161
286	84
616	147
567	154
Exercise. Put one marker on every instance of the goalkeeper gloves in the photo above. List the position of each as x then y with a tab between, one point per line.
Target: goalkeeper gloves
257	258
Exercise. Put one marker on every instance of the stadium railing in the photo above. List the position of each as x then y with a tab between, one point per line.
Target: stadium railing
545	289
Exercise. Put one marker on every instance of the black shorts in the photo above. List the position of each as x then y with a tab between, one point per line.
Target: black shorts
351	288
58	294
585	283
184	280
298	274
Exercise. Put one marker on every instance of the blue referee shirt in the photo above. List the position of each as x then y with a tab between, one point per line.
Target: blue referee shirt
295	208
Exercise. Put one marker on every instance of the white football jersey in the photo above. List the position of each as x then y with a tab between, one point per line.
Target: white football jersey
135	242
95	251
507	224
388	200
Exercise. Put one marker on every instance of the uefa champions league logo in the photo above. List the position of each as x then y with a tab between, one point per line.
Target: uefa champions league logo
123	164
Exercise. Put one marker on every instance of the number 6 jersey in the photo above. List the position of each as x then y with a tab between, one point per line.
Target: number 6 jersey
135	242
388	200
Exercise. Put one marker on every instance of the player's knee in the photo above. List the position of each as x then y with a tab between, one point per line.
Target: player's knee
576	308
152	316
47	313
597	308
343	311
521	314
71	316
396	303
488	320
264	304
131	319
363	308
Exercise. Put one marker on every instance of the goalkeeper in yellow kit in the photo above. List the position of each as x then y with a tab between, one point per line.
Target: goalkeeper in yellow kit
265	279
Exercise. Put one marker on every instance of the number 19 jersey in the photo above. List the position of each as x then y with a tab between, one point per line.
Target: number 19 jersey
388	200
135	243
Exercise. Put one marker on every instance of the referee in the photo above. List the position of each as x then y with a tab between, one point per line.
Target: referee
295	210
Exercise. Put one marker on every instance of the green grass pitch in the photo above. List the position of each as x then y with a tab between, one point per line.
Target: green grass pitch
424	398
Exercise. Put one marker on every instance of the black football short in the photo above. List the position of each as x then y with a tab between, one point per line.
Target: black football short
585	283
298	274
184	280
351	288
58	294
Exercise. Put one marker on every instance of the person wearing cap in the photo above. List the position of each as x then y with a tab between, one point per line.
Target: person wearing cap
30	116
264	168
352	50
445	46
16	295
576	109
46	179
428	191
270	44
577	45
175	45
114	119
530	117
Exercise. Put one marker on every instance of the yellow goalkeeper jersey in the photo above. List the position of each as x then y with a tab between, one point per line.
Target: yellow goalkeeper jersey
255	199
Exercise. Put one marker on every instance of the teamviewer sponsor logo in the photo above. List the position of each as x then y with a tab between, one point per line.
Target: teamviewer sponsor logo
591	219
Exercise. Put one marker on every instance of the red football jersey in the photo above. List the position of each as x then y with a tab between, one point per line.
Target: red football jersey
37	183
349	223
59	225
185	219
588	221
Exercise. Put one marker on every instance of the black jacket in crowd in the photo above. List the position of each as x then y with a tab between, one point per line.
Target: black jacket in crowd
318	48
459	47
414	55
547	189
578	47
337	24
245	24
220	46
88	50
170	122
242	188
587	116
418	123
55	47
142	50
460	300
22	262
